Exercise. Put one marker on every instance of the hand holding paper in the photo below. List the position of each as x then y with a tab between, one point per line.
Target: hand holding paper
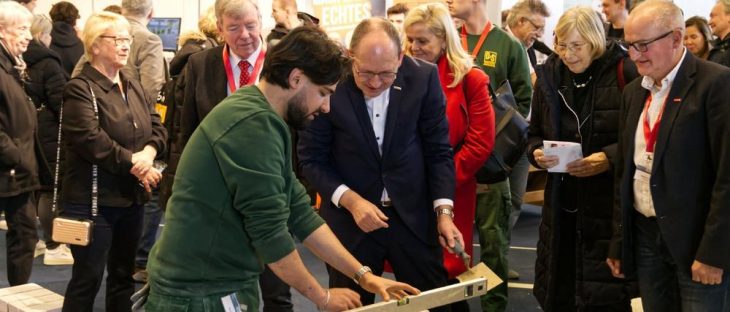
565	152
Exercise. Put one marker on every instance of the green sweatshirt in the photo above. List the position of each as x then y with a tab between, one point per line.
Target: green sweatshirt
234	201
502	57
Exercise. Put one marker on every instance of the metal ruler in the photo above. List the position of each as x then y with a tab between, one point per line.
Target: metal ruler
431	298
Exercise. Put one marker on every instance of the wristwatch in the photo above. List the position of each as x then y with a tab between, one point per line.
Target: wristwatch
358	275
447	211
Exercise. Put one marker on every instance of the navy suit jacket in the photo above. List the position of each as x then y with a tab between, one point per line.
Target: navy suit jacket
690	181
416	166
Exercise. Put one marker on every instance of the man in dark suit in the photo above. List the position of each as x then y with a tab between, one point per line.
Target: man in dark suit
211	76
382	162
673	221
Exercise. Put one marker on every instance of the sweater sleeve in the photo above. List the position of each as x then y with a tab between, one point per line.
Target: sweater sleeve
260	181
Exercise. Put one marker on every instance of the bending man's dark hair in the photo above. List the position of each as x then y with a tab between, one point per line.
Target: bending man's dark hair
308	48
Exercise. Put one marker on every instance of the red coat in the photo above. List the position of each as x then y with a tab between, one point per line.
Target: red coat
471	125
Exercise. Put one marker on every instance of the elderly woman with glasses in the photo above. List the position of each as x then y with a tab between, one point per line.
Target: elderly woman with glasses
18	162
430	36
577	99
112	136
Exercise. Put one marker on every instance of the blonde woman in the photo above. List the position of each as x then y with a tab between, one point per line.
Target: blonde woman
577	99
112	136
430	36
45	88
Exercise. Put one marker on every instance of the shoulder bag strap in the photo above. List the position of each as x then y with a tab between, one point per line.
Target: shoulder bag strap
94	167
54	202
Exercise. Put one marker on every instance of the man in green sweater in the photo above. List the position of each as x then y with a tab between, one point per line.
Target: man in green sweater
502	57
235	199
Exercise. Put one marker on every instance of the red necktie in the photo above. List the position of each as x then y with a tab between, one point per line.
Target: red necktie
245	76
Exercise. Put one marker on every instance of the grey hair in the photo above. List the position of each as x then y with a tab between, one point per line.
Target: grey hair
726	4
525	8
12	12
138	8
234	8
667	15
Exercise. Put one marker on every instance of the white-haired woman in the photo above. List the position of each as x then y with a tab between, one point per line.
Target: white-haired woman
45	88
577	99
430	36
18	162
112	137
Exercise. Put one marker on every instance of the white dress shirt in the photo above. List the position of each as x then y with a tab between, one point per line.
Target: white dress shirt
643	160
234	59
378	113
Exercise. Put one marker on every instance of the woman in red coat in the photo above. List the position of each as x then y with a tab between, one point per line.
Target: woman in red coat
431	36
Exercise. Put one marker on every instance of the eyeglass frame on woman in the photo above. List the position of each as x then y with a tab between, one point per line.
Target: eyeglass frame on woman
366	75
117	40
642	45
574	47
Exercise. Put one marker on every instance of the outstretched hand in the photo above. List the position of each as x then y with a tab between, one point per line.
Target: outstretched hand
386	288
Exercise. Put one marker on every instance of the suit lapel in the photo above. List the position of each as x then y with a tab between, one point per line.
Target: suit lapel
681	85
220	81
357	100
635	108
394	105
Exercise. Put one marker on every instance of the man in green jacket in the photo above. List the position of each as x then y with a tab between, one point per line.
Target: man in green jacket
235	199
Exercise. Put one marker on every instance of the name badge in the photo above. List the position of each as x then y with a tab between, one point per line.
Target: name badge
230	304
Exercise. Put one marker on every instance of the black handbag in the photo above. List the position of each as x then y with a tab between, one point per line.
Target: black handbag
510	138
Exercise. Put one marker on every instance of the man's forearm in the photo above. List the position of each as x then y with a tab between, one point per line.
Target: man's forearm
292	271
323	243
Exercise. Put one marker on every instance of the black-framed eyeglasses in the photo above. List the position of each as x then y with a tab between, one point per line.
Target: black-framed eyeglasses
367	75
538	28
119	41
642	45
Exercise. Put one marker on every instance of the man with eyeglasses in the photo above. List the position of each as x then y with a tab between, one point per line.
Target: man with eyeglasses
616	12
672	225
381	161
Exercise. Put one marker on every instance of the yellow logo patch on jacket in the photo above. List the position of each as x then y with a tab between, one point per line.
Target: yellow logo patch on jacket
490	59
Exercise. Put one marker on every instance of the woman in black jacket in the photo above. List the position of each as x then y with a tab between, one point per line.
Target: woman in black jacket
577	99
18	161
112	136
45	88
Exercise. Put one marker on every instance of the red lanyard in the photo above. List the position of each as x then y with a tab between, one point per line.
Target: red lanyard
650	134
229	69
465	44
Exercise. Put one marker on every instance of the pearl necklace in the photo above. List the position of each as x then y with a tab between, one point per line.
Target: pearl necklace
582	85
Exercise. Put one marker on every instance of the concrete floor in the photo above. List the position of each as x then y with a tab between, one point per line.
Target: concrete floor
521	257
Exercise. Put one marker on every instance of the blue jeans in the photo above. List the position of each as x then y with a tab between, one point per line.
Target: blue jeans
115	235
664	286
152	219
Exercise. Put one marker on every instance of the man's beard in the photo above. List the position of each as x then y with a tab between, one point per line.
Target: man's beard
296	112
